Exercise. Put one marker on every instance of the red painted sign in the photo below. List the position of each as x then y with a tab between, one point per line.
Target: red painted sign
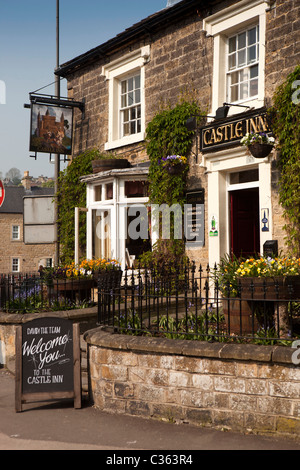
2	193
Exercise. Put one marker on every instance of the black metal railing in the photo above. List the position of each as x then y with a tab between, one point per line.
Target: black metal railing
29	293
189	302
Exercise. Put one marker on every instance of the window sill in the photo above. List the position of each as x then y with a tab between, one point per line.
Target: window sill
128	140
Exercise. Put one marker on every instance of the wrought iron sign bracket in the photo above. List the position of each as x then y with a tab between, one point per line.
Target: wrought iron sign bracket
52	100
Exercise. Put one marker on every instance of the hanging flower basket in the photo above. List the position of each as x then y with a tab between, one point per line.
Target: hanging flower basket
175	170
174	164
260	150
259	144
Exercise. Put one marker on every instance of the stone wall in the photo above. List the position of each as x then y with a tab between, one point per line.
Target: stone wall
244	388
282	43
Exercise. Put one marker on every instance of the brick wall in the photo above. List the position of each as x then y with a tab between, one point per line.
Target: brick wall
244	388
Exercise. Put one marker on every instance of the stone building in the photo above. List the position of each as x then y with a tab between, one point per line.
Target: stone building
221	51
19	254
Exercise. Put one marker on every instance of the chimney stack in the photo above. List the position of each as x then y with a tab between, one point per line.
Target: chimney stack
26	181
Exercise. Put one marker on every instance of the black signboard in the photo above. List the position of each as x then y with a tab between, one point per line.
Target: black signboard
194	219
47	361
228	132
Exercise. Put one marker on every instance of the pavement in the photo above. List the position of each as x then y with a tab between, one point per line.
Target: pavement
59	426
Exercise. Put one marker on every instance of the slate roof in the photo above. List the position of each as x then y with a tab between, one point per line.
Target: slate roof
13	201
144	27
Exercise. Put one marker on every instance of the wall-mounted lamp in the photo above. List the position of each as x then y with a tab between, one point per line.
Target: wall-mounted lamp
222	112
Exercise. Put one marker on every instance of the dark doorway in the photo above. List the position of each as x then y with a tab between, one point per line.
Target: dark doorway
244	217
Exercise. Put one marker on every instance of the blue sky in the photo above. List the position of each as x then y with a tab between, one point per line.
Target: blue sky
28	59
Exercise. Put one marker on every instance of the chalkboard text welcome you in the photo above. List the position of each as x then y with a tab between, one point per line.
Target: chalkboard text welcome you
47	361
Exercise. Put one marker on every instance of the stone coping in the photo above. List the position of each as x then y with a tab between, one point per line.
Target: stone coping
104	338
74	315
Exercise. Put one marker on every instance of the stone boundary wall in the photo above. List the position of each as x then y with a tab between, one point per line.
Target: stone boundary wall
241	387
9	321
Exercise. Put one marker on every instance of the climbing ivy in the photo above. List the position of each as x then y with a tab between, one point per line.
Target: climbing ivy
167	134
71	194
285	115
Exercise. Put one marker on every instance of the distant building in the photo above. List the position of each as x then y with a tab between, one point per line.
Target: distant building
16	255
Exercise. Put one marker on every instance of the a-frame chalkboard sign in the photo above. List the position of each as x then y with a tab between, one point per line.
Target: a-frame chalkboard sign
47	361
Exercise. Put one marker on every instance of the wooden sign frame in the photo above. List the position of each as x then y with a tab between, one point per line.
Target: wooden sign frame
46	347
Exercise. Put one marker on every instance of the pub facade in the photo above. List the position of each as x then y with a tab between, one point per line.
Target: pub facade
229	55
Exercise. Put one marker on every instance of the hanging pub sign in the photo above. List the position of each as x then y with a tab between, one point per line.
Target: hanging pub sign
228	132
51	129
47	361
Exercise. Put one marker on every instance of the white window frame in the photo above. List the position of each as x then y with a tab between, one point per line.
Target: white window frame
221	26
15	265
133	108
243	70
15	232
116	71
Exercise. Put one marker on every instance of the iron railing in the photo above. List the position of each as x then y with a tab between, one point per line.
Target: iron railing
29	293
188	302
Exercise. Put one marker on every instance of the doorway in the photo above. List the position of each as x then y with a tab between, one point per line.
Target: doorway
244	221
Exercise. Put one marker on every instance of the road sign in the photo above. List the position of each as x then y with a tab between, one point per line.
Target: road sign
2	193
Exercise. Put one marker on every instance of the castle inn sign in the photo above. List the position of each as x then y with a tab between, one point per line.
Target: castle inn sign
229	132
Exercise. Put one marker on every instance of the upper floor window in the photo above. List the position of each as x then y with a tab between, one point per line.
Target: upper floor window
131	105
126	98
16	232
243	62
239	52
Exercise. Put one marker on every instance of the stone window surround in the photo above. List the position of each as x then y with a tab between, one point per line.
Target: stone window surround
229	21
114	72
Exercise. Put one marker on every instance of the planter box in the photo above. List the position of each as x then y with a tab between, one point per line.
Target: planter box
74	285
72	288
109	164
108	280
277	288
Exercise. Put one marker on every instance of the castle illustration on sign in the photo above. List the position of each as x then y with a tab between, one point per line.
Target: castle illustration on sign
51	129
